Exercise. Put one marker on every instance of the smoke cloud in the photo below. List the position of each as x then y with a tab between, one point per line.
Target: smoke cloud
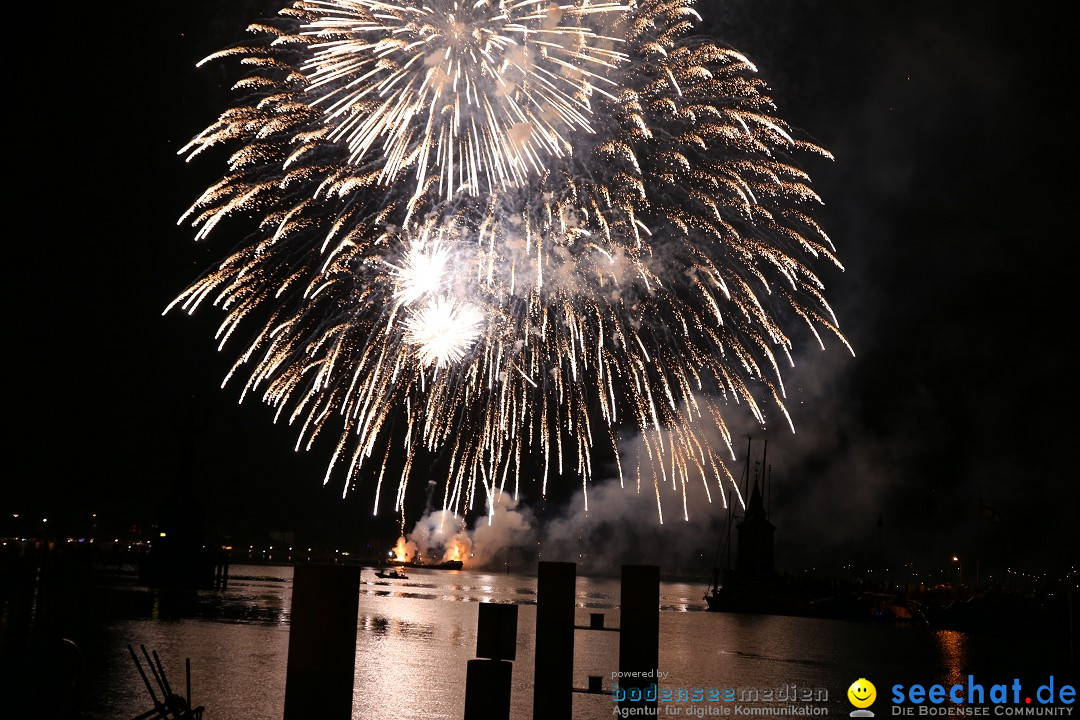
829	485
506	536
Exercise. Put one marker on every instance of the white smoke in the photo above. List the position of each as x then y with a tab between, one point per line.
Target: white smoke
622	527
504	537
438	536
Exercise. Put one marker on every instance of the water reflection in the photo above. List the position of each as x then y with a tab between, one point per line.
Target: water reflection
414	641
239	604
953	647
386	626
775	658
456	592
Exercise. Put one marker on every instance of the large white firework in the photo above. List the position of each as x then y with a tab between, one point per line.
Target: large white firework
521	228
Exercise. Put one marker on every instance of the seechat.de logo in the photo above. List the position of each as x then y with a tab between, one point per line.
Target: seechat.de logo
1007	698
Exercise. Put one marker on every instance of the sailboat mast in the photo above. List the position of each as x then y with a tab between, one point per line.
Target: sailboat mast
764	480
768	496
730	522
746	471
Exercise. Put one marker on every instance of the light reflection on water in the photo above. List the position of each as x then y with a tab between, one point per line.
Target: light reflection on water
416	636
954	655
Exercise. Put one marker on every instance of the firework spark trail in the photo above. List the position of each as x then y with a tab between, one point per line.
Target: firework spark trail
633	273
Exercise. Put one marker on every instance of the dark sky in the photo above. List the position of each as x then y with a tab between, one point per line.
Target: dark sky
949	201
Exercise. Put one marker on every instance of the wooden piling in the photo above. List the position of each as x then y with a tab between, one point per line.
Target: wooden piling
322	642
554	671
639	636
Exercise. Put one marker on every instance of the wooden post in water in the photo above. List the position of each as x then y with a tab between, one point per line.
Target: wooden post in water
553	678
639	637
322	642
487	690
487	680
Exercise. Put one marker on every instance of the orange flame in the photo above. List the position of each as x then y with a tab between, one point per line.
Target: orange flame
400	551
456	551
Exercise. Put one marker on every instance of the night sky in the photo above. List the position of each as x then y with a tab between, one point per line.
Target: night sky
949	201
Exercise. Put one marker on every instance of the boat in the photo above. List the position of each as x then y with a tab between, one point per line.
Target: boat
753	585
447	565
392	573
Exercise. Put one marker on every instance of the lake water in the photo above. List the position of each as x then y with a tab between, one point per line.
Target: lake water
415	637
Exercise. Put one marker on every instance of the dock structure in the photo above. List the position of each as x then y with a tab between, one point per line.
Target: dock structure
639	640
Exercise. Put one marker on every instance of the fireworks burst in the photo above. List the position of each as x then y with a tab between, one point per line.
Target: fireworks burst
523	228
482	90
443	330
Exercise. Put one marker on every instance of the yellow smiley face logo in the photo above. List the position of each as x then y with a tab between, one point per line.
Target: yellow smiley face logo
862	693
